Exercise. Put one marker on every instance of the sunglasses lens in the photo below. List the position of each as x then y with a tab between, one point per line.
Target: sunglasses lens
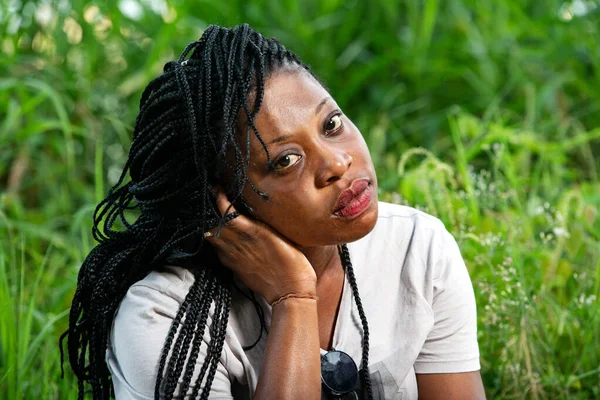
339	372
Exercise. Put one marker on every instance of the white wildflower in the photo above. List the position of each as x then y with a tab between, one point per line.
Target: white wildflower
561	232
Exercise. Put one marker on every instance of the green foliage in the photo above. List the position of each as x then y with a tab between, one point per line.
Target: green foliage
484	113
533	255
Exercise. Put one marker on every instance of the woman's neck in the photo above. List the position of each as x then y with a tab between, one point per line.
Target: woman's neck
324	259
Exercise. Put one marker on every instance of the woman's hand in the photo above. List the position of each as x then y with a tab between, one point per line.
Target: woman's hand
266	262
271	266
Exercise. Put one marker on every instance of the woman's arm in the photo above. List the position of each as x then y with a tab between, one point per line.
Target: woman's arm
291	365
459	386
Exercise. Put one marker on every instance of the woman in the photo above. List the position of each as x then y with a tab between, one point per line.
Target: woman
258	223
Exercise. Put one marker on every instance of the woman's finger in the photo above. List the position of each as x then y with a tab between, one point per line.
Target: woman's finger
226	208
223	203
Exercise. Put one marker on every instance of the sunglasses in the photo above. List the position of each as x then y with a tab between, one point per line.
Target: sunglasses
339	375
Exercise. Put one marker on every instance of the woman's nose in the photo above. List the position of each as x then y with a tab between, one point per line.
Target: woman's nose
335	164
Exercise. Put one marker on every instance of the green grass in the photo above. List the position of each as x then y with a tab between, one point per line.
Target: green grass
484	113
534	259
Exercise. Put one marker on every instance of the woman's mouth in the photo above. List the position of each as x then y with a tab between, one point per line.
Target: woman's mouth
354	200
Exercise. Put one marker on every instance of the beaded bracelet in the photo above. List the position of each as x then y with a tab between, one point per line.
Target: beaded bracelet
294	296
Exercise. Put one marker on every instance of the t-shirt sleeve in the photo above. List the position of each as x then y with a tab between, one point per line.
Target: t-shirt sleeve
451	345
137	339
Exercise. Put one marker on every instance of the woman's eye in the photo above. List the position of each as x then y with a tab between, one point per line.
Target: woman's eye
333	124
287	161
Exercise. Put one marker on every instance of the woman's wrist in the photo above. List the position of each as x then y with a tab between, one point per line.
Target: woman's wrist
294	296
299	289
295	309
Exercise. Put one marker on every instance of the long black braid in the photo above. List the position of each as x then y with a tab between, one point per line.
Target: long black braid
364	364
185	142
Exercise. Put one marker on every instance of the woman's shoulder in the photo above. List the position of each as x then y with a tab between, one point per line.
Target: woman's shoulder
403	223
159	294
401	212
170	280
403	239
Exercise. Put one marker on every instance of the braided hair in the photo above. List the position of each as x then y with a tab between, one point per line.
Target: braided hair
186	141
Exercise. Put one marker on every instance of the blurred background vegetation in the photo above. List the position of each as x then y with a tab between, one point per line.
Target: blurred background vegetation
484	113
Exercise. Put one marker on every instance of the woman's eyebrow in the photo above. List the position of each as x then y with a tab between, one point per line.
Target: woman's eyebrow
321	104
279	139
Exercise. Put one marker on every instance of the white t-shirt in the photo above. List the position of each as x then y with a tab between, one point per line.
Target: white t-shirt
415	290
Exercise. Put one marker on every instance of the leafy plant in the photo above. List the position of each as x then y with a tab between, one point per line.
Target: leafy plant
484	113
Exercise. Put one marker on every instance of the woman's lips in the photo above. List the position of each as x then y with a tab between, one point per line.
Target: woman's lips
354	200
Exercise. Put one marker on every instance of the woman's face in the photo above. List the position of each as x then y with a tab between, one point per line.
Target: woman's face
317	153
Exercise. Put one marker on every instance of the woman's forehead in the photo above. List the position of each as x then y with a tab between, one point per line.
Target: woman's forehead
291	100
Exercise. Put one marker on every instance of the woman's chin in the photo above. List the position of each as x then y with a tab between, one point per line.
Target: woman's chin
361	226
351	230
